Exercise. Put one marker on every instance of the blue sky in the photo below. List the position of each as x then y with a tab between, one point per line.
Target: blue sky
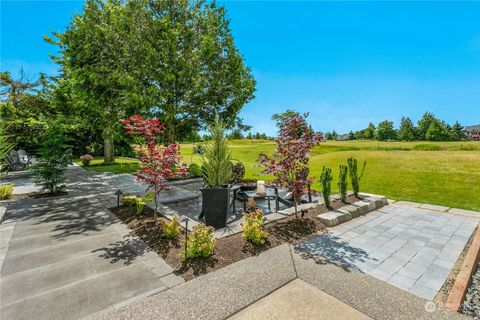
347	63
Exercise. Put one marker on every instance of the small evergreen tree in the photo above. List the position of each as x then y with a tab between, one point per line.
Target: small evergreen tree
457	132
354	176
326	181
369	132
342	182
54	159
217	156
407	130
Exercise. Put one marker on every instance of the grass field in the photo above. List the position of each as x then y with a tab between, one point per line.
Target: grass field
443	173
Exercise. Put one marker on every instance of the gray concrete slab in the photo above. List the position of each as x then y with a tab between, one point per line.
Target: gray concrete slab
309	303
219	294
68	257
398	242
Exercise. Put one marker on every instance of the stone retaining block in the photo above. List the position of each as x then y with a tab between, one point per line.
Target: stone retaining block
345	213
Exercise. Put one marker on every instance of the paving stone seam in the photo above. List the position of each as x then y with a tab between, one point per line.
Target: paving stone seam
66	286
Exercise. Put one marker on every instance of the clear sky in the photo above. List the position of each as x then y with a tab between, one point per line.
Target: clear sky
347	63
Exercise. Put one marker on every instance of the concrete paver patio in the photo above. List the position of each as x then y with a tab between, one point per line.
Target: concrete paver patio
68	257
411	248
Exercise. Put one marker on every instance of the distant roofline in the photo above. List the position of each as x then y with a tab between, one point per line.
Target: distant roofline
474	127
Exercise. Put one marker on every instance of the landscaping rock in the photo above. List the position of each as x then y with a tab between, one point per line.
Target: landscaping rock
333	218
345	215
354	210
363	207
471	305
379	201
330	219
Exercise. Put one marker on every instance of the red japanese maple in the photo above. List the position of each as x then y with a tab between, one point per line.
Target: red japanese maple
159	163
289	162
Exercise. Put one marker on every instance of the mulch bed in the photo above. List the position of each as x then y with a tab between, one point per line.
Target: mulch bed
228	249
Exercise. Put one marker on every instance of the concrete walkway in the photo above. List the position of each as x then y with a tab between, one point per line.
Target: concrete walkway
309	303
68	257
258	282
411	248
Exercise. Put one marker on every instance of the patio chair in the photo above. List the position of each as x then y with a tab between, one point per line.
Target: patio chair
13	162
288	198
24	157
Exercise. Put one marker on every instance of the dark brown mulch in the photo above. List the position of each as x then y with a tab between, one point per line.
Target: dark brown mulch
229	249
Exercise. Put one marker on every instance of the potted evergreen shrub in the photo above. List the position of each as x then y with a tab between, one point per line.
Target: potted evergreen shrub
217	174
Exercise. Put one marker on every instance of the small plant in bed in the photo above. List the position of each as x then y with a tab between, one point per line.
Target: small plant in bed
253	227
137	201
200	243
6	191
170	229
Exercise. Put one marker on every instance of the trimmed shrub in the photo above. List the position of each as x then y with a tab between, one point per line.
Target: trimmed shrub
253	227
198	149
170	229
355	178
326	181
86	158
342	182
195	170
200	243
6	191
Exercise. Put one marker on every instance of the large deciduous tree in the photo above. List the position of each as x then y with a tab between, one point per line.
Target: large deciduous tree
172	59
100	55
195	69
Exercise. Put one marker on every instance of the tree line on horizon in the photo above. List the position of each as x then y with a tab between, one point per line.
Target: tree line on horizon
428	128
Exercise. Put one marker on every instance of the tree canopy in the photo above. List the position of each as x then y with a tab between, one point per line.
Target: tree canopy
174	59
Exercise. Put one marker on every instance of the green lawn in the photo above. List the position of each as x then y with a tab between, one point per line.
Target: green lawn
121	165
443	173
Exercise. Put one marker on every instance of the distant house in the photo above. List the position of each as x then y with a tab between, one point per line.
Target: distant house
473	132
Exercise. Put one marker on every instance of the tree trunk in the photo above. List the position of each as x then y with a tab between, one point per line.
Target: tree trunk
170	131
296	207
108	146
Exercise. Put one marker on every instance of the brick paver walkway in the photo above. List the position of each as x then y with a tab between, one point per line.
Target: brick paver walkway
411	248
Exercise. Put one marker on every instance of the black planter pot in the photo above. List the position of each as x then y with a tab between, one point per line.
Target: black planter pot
215	206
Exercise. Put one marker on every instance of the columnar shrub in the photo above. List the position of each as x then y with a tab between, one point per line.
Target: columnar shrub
6	191
200	242
342	182
326	181
253	227
355	177
170	229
